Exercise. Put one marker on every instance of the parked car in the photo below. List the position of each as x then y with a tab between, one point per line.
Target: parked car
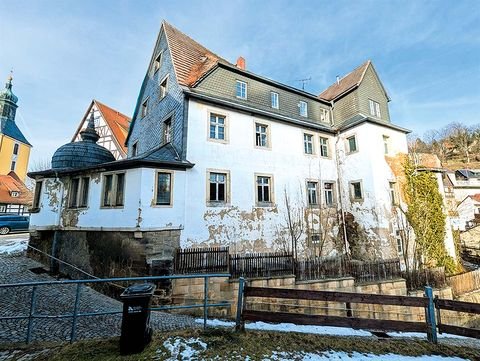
10	222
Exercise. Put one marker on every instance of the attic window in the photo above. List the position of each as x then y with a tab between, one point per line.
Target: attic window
163	88
14	194
156	63
167	130
241	89
145	108
303	108
374	108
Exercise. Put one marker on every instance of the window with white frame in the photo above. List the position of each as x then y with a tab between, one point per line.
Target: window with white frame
312	193
167	131
374	108
393	192
303	108
144	110
399	238
157	63
261	135
356	193
264	190
386	144
78	192
324	147
217	187
324	116
308	143
164	87
352	144
328	192
274	100
241	89
113	190
163	193
37	195
217	127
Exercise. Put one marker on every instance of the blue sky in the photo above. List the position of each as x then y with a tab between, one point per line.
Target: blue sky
64	53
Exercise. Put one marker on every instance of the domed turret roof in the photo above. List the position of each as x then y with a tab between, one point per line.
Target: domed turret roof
83	153
7	94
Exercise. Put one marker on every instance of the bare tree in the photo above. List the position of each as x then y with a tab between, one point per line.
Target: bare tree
39	165
295	222
464	138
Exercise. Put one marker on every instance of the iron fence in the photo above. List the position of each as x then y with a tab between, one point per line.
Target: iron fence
261	265
201	260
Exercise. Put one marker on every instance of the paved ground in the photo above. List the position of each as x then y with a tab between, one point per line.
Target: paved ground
55	300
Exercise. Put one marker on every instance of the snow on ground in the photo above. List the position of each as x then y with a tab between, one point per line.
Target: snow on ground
317	330
179	348
13	245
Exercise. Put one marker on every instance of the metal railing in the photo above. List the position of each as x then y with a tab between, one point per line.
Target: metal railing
76	314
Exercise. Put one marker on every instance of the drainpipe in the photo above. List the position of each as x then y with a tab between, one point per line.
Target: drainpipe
339	187
54	265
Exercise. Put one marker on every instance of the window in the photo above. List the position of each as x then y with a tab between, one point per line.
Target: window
14	194
398	236
15	149
328	190
352	144
308	143
261	135
135	149
264	190
167	131
113	190
78	192
324	116
157	62
356	191
303	108
241	89
374	108
217	187
386	141
12	166
274	99
145	108
217	127
314	238
312	188
164	189
324	147
393	193
37	195
163	88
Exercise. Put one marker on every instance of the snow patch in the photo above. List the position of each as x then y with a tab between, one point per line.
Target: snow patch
352	356
182	349
13	246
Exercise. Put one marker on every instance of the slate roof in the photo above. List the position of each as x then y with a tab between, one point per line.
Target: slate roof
10	182
347	83
10	129
191	60
116	121
360	118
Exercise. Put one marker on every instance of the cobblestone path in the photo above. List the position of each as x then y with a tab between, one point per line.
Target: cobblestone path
59	300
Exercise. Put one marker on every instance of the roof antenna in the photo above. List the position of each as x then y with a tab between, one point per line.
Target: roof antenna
304	81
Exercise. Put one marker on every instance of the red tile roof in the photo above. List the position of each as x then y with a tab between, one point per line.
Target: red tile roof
191	60
476	197
11	183
117	122
348	82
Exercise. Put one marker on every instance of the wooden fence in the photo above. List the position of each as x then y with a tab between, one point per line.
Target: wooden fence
465	282
457	306
201	260
261	265
341	321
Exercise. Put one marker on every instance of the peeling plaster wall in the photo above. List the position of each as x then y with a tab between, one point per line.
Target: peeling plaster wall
241	225
368	165
137	210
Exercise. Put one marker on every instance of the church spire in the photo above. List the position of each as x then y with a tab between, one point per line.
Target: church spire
8	100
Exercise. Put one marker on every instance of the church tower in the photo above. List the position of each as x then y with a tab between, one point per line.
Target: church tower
14	147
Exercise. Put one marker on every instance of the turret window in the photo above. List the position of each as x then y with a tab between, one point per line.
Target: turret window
15	149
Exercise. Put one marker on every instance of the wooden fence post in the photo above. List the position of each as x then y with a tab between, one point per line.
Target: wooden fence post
239	326
430	316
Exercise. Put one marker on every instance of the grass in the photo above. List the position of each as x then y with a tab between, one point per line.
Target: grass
224	344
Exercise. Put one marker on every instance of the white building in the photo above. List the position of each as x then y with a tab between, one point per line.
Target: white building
214	152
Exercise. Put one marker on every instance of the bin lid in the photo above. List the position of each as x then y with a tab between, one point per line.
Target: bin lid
139	288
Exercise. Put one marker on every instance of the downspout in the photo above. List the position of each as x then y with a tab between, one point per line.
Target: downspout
339	179
54	265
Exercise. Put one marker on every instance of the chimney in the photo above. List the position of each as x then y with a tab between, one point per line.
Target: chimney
338	79
240	63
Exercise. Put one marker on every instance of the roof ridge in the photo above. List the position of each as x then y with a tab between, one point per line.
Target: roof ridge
109	107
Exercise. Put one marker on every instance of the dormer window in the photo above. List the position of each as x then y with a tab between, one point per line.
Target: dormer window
156	63
303	108
274	100
241	89
374	108
14	194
